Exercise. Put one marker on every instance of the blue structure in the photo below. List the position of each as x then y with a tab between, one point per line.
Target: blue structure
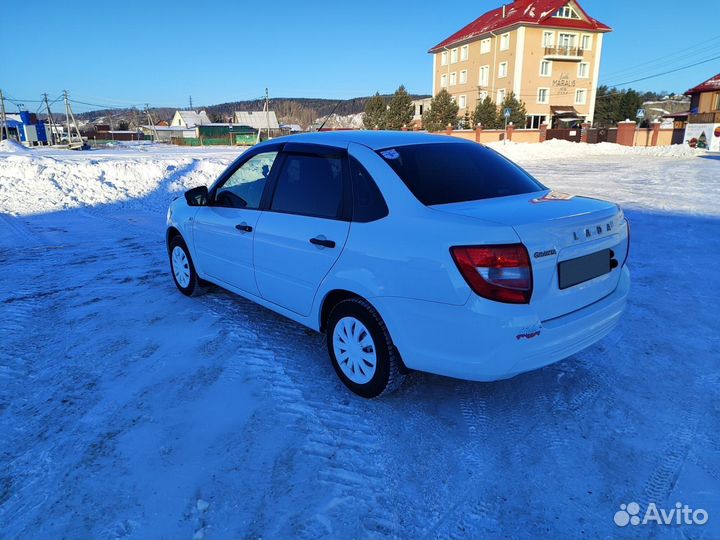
27	127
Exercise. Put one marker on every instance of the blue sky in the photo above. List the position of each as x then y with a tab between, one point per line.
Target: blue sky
162	51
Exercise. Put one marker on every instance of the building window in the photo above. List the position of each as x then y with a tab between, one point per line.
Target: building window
566	12
566	41
505	42
543	95
463	102
453	78
502	69
463	76
548	39
482	95
443	80
485	76
443	58
464	52
545	68
419	110
453	56
717	102
501	95
580	96
583	70
586	42
485	46
534	121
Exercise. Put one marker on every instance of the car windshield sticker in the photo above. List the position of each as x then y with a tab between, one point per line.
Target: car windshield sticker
390	154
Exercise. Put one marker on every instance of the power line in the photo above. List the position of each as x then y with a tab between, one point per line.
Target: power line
681	54
668	71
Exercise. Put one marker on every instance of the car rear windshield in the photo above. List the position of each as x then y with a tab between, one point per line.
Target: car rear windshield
443	173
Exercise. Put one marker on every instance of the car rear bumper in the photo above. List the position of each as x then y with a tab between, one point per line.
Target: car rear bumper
487	342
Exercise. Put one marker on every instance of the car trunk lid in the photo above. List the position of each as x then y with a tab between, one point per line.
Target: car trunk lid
556	228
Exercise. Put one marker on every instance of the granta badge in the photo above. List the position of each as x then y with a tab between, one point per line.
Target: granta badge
546	253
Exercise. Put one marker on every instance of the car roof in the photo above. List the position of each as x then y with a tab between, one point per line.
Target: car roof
374	140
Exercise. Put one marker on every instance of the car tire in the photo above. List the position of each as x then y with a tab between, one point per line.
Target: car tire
182	269
361	349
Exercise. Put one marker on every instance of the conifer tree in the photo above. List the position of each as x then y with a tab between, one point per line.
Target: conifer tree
375	112
443	111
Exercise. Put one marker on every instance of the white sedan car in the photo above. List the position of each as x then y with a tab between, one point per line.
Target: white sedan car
410	251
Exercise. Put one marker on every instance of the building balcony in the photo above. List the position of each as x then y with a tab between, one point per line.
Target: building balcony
569	54
704	118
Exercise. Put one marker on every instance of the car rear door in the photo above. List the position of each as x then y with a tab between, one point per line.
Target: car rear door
303	231
224	229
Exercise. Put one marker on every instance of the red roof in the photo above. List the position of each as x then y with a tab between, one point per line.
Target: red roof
523	12
710	85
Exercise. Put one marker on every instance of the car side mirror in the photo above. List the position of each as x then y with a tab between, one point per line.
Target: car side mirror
197	196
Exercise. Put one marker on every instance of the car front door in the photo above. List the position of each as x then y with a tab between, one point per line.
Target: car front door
302	233
224	229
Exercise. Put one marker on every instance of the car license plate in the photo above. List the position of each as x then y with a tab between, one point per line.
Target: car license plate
576	271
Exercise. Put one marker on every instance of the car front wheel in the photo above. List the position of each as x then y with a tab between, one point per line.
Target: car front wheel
183	270
361	349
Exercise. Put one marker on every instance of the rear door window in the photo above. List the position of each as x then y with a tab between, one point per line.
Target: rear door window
368	202
310	185
443	173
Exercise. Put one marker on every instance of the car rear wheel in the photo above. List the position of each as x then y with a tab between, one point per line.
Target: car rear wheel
183	270
361	349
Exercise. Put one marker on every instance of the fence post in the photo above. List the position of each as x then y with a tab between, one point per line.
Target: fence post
543	131
626	133
510	129
478	133
584	132
655	132
449	129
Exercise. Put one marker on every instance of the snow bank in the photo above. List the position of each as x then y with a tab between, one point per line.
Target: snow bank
559	149
37	184
9	146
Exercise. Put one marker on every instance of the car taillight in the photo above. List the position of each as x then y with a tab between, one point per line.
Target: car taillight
500	273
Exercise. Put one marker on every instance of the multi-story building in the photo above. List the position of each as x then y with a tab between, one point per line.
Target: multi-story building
545	51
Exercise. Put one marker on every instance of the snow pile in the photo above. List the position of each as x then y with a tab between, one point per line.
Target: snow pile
10	146
32	184
559	149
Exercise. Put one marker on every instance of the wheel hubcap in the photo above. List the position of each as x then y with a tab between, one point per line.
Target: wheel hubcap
354	350
181	266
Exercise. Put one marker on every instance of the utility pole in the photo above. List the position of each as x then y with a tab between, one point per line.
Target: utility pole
191	107
152	124
69	115
3	127
267	111
53	128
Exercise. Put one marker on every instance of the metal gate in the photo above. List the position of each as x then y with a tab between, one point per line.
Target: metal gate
678	136
572	135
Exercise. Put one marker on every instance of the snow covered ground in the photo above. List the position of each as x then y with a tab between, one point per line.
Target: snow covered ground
130	411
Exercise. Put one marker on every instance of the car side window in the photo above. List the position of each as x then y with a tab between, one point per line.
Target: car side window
368	202
245	186
310	185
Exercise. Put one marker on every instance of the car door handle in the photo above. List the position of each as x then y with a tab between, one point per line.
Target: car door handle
244	227
322	242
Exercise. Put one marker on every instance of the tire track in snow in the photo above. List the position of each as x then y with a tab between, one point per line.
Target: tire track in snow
343	444
661	483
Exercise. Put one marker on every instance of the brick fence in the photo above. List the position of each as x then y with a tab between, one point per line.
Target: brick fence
626	133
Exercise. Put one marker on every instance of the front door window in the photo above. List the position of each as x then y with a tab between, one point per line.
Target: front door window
245	187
